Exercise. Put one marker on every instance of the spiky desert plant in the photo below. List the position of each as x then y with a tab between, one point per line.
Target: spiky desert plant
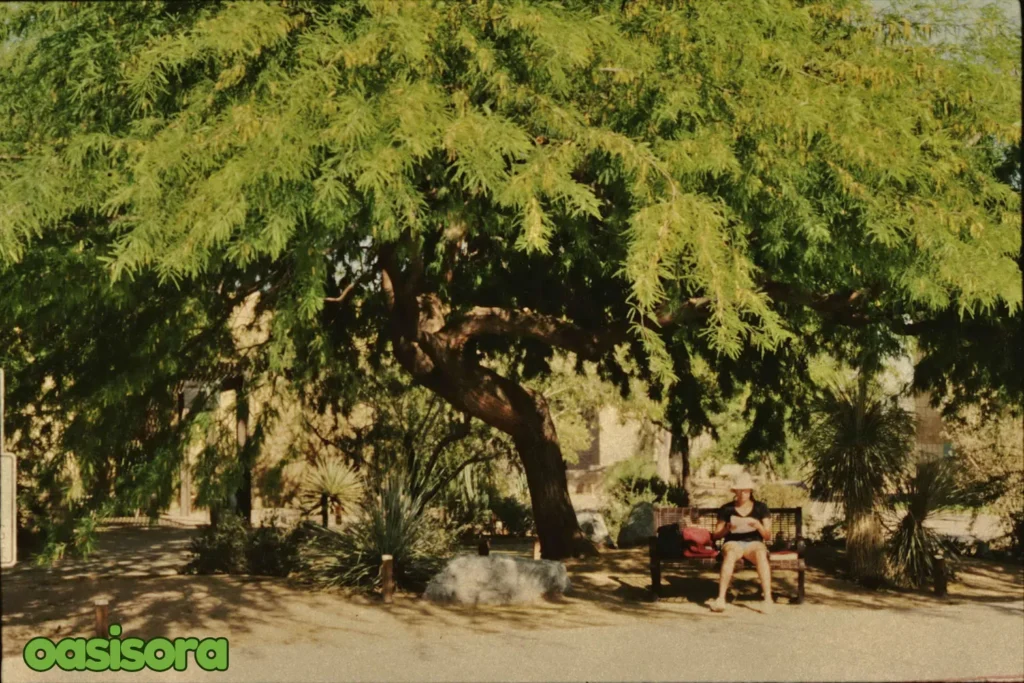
391	522
930	487
859	445
331	480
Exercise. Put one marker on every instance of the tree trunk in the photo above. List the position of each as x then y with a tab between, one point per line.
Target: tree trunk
864	547
537	444
434	355
243	496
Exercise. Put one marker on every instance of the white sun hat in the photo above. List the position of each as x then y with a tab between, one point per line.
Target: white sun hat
743	481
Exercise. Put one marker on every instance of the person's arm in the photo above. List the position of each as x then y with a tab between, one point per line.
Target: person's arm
764	527
721	530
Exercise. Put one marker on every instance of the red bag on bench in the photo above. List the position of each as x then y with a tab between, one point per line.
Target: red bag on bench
697	542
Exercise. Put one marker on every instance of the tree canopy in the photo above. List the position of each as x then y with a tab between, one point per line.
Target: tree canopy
738	182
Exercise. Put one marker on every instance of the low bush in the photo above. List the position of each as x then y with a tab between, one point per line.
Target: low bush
776	495
631	482
231	547
515	516
271	550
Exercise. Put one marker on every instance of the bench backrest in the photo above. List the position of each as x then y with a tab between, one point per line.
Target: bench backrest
787	523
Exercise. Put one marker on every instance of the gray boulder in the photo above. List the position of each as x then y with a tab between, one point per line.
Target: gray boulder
593	527
638	527
497	580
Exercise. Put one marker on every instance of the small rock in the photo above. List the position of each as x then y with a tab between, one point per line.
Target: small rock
593	527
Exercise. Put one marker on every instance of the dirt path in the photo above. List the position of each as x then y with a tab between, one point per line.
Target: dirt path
604	631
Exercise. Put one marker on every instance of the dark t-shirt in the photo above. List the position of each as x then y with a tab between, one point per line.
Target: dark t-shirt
759	512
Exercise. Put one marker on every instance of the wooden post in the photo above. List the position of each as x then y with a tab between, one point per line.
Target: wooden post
2	389
940	574
652	549
536	549
102	616
483	548
387	572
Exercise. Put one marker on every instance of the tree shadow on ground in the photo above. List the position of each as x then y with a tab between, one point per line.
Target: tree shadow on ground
136	570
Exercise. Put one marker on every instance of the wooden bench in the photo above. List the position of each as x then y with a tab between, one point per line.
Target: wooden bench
787	534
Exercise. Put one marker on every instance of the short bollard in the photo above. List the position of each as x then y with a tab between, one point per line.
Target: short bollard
483	548
940	574
102	617
536	549
387	573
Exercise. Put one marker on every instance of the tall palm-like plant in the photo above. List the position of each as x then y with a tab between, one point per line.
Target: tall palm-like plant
331	481
859	445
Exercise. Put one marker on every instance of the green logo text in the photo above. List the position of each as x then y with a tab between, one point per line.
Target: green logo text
130	654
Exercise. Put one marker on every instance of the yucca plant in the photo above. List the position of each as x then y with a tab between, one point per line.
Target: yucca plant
389	523
331	481
859	446
912	548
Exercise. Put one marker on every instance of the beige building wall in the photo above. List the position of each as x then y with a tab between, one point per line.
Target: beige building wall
615	440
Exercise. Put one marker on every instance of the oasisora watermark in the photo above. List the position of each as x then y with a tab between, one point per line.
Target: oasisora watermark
130	654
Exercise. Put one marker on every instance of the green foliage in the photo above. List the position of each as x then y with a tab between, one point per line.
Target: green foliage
784	496
630	482
388	426
515	516
782	169
617	510
391	523
620	473
220	548
913	546
232	547
988	447
859	445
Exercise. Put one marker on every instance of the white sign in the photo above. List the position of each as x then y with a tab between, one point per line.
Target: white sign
8	495
8	510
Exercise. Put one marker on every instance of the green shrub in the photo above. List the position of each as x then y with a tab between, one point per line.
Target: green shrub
220	548
231	547
515	516
631	482
783	496
271	550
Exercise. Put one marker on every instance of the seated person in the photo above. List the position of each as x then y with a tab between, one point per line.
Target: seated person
746	525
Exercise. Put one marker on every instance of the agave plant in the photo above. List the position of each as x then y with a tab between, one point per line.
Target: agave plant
331	481
913	547
859	446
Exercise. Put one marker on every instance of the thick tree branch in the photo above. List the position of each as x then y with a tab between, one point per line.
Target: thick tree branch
482	320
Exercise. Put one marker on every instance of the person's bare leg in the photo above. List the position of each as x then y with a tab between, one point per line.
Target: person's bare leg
759	556
730	555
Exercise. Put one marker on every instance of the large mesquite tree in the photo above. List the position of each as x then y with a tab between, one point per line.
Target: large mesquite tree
729	180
